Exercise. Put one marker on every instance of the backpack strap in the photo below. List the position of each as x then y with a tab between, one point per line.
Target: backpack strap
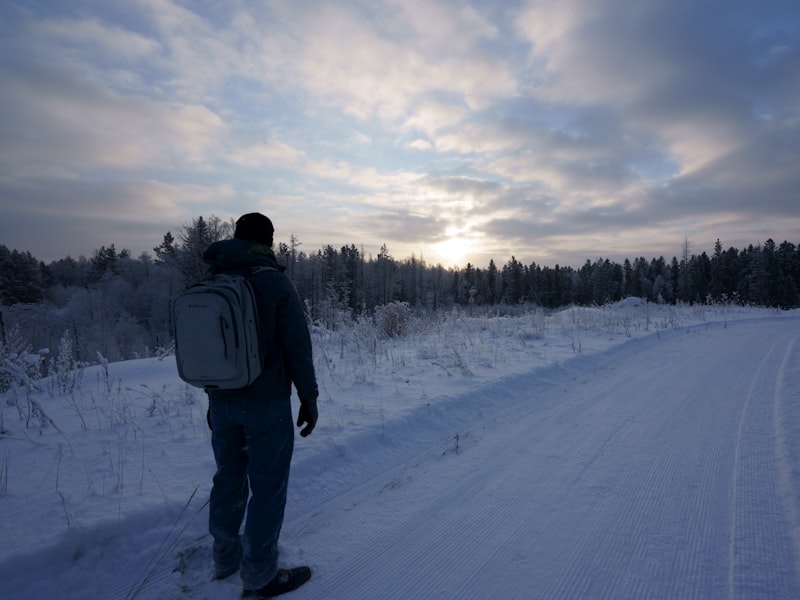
252	272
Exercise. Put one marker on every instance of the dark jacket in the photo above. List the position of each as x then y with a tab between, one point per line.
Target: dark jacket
284	333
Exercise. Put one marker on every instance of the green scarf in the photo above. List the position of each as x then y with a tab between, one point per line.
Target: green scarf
257	248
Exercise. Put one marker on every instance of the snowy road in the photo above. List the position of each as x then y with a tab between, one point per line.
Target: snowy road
665	468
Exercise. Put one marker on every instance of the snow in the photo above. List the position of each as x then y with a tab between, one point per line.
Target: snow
630	451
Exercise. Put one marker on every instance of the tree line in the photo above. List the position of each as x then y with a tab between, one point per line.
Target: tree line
119	306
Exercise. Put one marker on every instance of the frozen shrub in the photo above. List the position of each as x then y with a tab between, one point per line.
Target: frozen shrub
68	373
18	366
393	319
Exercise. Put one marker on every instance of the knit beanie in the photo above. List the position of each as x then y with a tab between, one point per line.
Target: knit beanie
254	227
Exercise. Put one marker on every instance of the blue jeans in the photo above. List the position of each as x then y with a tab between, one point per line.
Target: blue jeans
253	441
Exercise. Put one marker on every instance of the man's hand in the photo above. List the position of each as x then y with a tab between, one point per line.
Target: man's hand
308	414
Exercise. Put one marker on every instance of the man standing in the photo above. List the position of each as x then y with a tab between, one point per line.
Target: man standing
252	433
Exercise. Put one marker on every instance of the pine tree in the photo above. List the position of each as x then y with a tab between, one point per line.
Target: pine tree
195	237
166	252
20	278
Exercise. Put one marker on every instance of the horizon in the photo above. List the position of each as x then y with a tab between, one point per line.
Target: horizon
431	264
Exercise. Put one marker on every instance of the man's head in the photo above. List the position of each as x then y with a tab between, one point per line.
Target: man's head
254	227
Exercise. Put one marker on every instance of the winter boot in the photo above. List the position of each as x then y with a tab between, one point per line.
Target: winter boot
285	581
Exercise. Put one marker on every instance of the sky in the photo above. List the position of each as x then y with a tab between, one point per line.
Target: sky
554	131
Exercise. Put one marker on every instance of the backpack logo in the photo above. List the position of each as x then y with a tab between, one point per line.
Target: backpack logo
217	334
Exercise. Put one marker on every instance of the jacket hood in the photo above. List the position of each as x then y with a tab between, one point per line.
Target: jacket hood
235	254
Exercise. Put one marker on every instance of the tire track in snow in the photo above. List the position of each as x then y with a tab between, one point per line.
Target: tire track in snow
781	407
648	528
423	528
451	516
762	534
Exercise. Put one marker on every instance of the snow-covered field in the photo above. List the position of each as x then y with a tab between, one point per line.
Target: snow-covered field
623	452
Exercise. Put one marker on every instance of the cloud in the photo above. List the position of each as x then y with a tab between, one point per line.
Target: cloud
56	213
199	56
440	27
384	66
676	72
54	118
420	144
755	179
136	201
399	227
89	38
278	155
429	117
272	152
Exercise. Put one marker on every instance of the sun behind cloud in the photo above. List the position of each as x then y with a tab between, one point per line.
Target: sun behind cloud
453	251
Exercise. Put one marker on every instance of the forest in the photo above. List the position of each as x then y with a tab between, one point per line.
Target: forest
113	306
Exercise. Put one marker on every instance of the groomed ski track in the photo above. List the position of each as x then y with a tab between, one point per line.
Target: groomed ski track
665	468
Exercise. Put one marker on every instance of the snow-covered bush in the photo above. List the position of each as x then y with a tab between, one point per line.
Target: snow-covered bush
65	368
20	372
19	367
393	319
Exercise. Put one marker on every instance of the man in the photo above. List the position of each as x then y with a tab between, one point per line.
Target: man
252	435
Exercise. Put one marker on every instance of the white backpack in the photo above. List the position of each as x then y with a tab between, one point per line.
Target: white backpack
217	343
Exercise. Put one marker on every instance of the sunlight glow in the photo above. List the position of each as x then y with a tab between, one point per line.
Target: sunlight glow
453	251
